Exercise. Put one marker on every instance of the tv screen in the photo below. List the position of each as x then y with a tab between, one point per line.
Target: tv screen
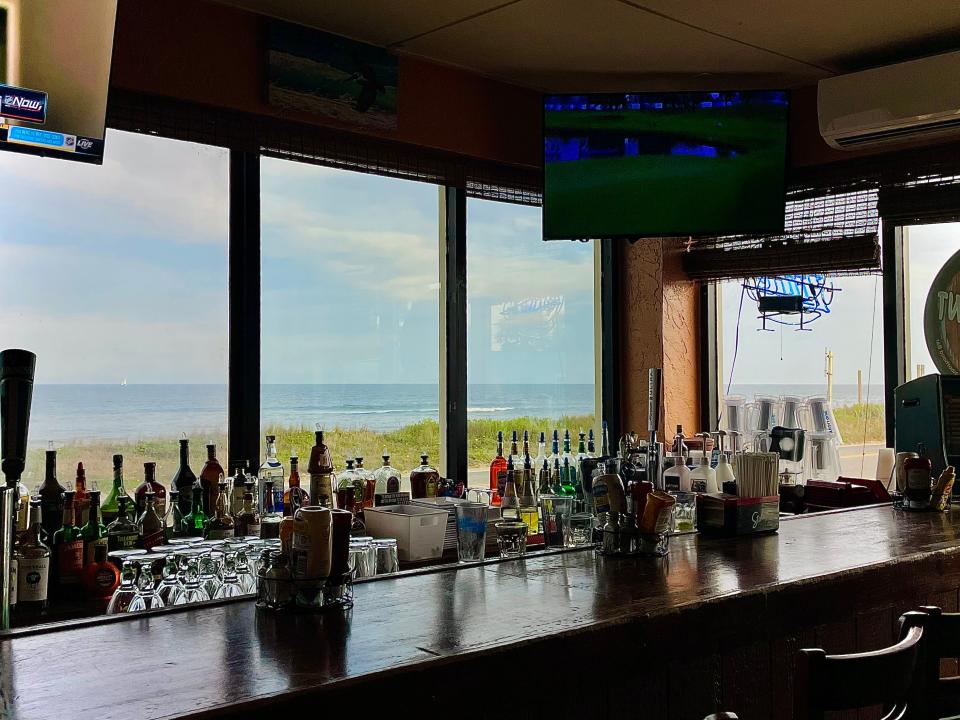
648	164
54	76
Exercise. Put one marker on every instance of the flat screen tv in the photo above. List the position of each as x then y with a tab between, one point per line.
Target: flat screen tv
55	58
655	164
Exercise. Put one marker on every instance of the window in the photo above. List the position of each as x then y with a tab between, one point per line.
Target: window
116	277
350	313
530	331
781	362
927	248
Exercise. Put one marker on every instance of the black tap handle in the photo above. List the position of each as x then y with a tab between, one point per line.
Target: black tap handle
16	394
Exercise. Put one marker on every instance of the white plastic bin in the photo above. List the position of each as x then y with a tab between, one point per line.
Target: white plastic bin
419	530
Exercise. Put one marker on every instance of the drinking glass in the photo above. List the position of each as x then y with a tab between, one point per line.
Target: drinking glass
245	573
556	512
170	587
684	514
387	562
147	597
209	577
125	592
581	529
512	538
471	531
192	591
231	583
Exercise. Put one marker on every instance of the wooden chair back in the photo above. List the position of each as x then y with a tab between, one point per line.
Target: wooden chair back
890	677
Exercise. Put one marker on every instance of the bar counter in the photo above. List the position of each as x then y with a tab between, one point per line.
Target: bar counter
714	624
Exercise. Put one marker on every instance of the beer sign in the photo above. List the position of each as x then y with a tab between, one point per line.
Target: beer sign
941	318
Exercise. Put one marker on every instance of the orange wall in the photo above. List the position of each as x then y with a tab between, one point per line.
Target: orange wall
202	52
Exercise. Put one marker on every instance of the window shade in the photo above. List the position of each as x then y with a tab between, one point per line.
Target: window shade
137	112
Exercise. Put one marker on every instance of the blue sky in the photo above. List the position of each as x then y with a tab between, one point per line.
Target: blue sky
120	271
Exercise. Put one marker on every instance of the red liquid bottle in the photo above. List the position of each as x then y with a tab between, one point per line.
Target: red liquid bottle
498	470
150	483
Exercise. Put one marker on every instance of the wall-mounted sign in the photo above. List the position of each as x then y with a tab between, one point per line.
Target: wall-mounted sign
813	292
23	104
941	318
325	74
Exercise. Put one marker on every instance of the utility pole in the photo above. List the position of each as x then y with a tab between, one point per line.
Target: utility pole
859	387
828	371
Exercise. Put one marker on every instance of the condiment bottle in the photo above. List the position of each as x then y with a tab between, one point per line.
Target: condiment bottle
918	471
944	486
677	476
703	479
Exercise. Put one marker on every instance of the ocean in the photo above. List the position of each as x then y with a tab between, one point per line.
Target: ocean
65	413
842	394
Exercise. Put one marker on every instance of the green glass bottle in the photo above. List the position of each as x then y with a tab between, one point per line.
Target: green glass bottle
195	522
94	532
111	507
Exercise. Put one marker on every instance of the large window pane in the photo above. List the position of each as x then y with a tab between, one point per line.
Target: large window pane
530	330
927	248
783	362
350	326
116	276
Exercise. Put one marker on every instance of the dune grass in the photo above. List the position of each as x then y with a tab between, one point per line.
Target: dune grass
405	444
861	422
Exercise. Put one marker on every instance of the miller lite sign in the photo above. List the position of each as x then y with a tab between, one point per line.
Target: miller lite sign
23	104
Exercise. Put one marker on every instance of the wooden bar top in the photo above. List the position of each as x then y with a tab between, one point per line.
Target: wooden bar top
231	658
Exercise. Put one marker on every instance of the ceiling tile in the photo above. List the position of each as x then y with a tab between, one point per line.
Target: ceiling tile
380	22
608	43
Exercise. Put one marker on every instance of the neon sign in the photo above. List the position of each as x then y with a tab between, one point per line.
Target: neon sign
815	291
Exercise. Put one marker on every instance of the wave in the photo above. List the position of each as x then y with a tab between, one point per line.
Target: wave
488	409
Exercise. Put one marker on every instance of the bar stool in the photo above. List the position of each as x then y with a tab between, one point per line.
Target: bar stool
941	695
891	677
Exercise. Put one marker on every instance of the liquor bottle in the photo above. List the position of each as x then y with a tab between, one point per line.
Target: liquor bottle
194	523
346	490
554	448
581	448
568	479
111	503
272	471
541	452
555	477
33	565
515	449
367	484
591	445
320	469
295	496
498	471
543	484
100	576
679	446
94	532
51	495
424	479
150	483
150	524
604	441
527	497
221	525
269	517
248	521
173	522
81	497
237	481
386	477
122	533
509	503
210	476
68	549
525	450
184	479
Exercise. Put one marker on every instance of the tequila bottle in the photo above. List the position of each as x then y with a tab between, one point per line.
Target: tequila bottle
122	533
111	506
272	471
366	482
386	477
498	471
424	479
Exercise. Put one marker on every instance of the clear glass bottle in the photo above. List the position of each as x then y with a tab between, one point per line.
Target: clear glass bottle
248	521
509	503
111	505
33	565
541	452
366	483
221	525
210	476
173	521
150	482
320	469
386	477
152	531
81	497
515	449
527	497
237	484
498	471
543	481
126	592
272	471
68	549
122	533
295	496
269	517
555	477
554	449
591	445
346	489
569	478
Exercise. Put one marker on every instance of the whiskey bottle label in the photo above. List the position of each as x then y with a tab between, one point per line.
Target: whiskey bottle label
32	577
219	533
151	540
122	541
252	529
70	561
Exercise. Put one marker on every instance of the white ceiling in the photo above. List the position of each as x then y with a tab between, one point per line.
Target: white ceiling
597	45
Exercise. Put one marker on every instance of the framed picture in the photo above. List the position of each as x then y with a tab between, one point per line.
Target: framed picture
316	72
